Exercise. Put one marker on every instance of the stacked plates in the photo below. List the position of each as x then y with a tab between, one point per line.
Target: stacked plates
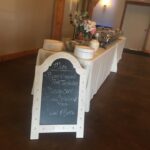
53	45
84	52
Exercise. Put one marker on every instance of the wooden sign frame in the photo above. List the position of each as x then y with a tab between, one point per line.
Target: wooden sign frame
36	128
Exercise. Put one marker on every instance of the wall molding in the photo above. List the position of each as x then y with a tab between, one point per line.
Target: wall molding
12	56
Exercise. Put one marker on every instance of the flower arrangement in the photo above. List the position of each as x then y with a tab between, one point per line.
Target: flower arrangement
84	28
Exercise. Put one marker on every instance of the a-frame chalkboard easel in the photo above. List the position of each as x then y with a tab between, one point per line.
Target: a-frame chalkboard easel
59	96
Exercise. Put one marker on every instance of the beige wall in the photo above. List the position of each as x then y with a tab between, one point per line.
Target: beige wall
147	48
24	24
67	29
109	16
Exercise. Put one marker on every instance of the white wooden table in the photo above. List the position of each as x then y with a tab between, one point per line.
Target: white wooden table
97	69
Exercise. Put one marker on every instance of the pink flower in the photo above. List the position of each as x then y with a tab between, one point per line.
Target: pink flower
93	31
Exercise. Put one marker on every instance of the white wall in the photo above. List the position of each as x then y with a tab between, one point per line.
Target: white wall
109	16
24	24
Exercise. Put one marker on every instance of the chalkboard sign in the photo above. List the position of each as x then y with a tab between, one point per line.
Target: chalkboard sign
59	96
60	92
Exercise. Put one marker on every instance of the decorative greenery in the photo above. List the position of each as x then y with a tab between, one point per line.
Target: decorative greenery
84	28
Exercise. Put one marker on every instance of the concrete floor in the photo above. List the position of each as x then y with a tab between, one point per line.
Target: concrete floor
119	118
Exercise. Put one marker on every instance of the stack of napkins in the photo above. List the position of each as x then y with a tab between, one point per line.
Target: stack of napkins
84	52
53	45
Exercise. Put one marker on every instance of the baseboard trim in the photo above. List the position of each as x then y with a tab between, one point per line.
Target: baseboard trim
136	52
11	56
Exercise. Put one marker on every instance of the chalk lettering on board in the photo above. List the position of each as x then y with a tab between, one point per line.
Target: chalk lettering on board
65	112
62	104
60	92
55	113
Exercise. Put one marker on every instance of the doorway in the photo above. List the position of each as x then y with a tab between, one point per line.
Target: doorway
136	27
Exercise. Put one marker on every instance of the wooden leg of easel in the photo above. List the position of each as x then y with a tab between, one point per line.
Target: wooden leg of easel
34	135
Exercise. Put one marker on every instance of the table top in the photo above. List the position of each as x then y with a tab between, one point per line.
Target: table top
99	53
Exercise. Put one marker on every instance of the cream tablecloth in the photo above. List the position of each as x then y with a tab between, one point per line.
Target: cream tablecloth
97	69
